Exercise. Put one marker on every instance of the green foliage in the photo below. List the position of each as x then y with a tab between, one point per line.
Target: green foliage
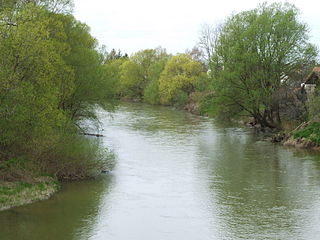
89	86
181	74
31	71
256	49
51	77
113	55
131	82
136	78
112	71
151	92
18	187
150	75
68	159
180	99
208	106
311	132
17	193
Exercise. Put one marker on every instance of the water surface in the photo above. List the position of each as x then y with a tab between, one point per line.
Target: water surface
181	177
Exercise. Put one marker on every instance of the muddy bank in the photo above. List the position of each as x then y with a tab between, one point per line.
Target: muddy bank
301	143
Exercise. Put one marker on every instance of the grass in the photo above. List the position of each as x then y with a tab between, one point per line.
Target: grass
13	188
311	132
19	193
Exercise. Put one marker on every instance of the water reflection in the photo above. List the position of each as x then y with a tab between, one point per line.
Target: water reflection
263	190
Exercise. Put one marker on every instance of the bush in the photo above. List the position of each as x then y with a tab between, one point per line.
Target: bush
77	157
180	100
151	93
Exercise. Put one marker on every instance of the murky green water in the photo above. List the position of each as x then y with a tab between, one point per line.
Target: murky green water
181	177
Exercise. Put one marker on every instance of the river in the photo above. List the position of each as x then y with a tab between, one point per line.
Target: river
181	177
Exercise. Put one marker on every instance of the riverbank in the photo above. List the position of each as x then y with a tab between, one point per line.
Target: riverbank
301	143
304	136
14	194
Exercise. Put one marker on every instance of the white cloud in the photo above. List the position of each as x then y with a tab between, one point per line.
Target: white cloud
174	24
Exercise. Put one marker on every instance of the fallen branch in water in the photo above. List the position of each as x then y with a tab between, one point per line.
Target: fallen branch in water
93	134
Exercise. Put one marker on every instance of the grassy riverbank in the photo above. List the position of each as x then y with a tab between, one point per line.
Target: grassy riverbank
13	194
307	136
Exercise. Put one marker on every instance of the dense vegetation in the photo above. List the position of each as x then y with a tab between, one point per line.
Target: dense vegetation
255	59
51	78
250	66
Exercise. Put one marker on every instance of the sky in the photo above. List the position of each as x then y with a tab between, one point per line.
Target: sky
133	25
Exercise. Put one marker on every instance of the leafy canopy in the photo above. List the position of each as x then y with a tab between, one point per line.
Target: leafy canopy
255	53
181	73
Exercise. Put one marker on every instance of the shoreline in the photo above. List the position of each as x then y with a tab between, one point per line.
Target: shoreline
15	194
301	143
285	139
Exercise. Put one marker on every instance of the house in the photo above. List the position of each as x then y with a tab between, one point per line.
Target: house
311	81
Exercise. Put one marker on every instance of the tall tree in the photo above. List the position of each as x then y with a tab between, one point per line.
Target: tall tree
208	41
256	51
31	71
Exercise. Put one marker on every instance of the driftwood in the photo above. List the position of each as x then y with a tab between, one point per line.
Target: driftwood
93	134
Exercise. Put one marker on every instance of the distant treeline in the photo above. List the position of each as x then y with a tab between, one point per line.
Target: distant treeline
251	65
51	78
154	76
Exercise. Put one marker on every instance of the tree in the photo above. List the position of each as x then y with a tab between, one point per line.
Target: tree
208	41
255	53
131	81
143	67
180	75
151	92
89	84
196	54
113	55
112	74
50	75
31	73
56	6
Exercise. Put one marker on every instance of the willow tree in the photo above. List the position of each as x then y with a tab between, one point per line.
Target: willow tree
143	68
180	76
255	53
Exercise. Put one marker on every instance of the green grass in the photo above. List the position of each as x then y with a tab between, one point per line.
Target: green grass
19	193
14	188
311	132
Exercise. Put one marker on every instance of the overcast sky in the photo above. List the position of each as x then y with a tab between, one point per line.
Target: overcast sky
132	25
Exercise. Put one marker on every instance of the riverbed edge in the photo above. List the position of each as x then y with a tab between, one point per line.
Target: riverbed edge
15	194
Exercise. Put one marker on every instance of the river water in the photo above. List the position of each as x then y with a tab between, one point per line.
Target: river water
181	177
